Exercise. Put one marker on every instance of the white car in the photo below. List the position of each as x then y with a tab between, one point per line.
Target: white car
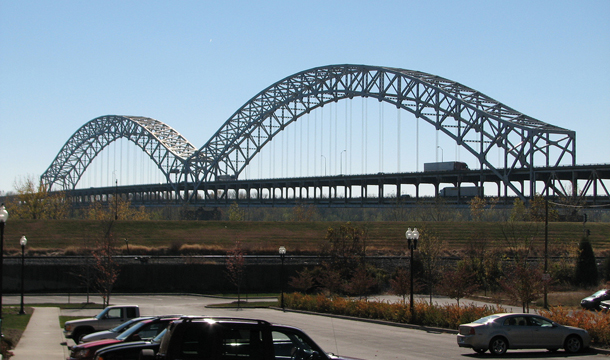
500	332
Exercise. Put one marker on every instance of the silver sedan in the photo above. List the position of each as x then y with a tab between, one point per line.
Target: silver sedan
500	332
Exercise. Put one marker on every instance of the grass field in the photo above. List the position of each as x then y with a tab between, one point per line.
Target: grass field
46	236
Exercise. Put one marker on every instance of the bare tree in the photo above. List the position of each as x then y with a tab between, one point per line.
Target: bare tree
236	265
106	268
458	284
430	251
401	284
524	283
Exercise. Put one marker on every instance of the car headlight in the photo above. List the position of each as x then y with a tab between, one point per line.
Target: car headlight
82	353
68	327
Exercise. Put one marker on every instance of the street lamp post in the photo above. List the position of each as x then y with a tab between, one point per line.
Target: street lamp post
3	219
23	241
282	251
127	244
412	237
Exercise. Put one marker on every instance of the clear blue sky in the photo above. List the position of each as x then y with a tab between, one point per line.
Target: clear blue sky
191	64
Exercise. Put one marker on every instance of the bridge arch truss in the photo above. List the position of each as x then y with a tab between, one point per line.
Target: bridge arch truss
165	146
473	120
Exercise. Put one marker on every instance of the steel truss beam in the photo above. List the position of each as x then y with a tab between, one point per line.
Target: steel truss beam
475	121
165	146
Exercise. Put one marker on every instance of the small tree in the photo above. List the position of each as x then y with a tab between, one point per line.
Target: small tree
477	207
400	284
236	265
430	252
303	212
524	284
586	269
33	201
346	249
458	284
519	211
106	268
330	279
235	213
360	284
305	281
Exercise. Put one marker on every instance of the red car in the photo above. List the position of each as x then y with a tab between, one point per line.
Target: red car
144	330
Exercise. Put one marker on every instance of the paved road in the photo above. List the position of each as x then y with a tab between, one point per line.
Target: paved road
345	337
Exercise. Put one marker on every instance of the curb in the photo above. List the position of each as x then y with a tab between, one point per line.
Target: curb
374	321
602	351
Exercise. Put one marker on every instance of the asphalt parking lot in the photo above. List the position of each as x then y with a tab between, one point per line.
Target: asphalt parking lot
341	336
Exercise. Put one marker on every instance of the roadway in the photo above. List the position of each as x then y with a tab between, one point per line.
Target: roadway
345	337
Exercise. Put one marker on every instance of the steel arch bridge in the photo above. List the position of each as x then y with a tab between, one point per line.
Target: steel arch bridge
473	120
164	145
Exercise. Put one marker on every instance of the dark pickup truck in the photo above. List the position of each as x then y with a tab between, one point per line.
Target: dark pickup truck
235	338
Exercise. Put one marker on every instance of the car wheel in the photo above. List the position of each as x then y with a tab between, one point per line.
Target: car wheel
498	345
573	344
480	351
79	334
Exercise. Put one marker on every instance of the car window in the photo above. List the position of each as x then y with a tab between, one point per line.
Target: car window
537	321
131	312
134	329
241	343
157	339
291	345
114	314
485	319
515	321
194	342
126	325
151	330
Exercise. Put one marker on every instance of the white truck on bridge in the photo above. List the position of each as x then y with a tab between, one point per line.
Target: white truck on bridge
445	166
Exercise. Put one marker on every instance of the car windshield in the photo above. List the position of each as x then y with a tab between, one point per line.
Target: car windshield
486	319
157	339
132	330
124	326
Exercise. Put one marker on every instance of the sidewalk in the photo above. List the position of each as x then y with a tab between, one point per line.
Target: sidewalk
42	337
